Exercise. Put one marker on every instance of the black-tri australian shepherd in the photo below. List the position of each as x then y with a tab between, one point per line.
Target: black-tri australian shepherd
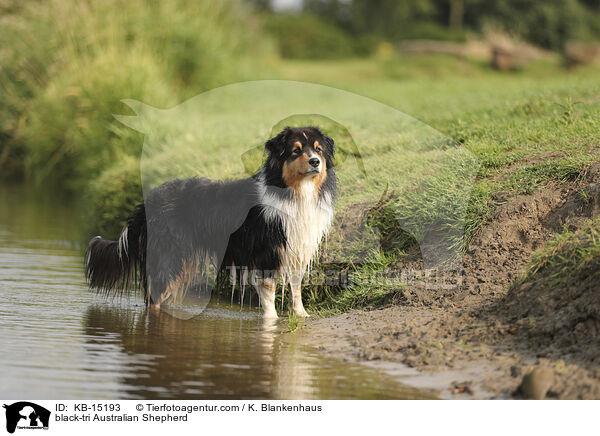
272	223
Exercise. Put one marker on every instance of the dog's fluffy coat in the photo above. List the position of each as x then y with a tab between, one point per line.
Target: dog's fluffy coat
272	222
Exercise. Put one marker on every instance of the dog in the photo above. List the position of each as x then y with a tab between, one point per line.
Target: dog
272	222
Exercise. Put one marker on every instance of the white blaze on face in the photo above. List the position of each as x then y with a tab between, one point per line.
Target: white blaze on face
311	155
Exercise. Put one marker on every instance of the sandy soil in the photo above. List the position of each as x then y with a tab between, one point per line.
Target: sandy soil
495	336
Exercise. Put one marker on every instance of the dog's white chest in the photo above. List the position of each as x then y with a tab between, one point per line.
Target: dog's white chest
306	220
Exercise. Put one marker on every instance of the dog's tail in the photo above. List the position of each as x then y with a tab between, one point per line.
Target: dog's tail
115	265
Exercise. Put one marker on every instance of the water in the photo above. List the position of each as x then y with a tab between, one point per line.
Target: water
61	341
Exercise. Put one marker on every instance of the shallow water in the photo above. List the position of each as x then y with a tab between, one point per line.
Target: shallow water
59	340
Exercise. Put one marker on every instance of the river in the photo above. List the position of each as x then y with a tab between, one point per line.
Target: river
60	340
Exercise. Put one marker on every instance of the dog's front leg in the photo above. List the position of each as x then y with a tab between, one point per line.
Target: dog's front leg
296	287
266	291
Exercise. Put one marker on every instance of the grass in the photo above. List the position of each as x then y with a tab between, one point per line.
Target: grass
527	129
66	65
372	284
460	133
294	323
507	142
568	256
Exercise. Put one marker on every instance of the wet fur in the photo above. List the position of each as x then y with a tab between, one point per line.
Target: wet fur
272	222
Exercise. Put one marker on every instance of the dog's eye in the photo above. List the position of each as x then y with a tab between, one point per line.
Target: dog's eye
296	152
319	149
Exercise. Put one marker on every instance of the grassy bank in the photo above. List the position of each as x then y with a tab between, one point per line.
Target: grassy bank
528	129
66	65
66	68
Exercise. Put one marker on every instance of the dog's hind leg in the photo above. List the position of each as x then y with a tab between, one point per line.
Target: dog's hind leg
266	291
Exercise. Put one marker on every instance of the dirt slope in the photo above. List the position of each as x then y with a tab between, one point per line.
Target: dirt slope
494	320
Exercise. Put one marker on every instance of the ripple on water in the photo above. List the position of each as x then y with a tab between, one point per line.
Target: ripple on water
60	340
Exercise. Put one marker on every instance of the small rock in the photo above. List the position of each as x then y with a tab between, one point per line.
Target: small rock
535	384
515	371
461	388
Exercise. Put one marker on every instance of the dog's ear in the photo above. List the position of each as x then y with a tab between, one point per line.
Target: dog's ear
276	146
330	145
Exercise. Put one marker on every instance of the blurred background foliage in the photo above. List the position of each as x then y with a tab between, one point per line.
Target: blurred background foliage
65	65
548	24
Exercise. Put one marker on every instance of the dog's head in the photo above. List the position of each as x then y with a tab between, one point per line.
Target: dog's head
301	154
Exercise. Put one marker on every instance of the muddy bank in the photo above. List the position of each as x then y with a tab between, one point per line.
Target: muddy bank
484	339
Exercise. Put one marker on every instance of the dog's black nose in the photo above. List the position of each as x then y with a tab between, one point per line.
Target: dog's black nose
314	162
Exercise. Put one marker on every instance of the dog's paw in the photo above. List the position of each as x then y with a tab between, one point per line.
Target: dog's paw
271	314
302	313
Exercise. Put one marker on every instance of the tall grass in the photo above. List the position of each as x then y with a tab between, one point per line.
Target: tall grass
568	256
66	65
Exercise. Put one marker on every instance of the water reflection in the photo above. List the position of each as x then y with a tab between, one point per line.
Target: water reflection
59	340
222	354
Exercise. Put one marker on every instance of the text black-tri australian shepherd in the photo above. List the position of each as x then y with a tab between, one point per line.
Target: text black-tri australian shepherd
272	222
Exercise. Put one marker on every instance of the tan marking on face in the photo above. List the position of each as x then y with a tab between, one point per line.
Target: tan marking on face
316	144
298	144
293	173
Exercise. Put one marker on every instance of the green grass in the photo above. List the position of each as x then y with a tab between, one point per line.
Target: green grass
373	284
294	323
462	133
527	129
66	65
568	256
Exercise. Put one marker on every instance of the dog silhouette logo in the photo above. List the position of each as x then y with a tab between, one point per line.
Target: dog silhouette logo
26	415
